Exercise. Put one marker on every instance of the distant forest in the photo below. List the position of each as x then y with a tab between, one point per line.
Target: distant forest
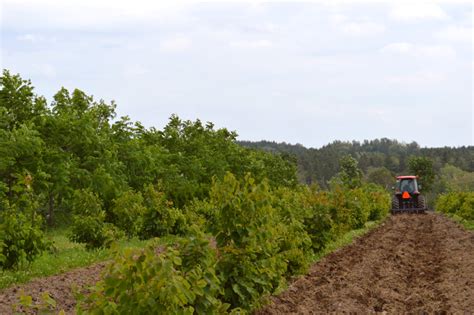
379	159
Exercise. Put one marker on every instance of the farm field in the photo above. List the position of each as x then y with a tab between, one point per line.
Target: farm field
407	263
411	263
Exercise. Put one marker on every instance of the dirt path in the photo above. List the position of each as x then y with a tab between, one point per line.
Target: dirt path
412	263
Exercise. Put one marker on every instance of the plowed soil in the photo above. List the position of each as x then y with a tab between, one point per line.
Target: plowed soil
410	264
60	288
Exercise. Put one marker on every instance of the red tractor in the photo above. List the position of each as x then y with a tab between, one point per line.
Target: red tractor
407	197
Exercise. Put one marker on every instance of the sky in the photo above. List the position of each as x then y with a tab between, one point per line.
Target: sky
300	72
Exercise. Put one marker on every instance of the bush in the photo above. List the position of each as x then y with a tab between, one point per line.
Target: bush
340	211
247	235
128	212
467	209
159	218
457	203
21	238
93	231
379	201
319	224
295	244
89	225
154	280
359	207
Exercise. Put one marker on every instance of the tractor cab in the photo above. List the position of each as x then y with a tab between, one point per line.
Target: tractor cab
407	197
407	184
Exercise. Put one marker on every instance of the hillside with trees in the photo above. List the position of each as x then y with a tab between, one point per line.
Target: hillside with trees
379	159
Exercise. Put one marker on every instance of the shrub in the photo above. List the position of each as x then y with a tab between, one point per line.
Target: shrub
93	231
467	209
127	212
154	280
458	203
21	238
379	201
451	202
159	218
319	224
89	225
340	211
295	242
246	230
359	207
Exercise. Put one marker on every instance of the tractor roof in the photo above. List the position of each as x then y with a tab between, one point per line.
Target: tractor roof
407	177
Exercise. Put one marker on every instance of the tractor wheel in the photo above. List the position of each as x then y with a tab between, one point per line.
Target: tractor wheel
421	202
395	204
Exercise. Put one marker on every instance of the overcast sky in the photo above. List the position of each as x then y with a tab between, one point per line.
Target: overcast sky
299	72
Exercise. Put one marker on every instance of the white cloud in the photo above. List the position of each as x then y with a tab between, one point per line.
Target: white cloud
417	11
456	33
135	70
361	27
421	77
250	44
29	38
45	70
178	44
419	50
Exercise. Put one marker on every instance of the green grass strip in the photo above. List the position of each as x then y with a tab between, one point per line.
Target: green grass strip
64	256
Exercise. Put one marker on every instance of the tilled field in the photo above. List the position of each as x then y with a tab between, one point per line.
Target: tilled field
411	263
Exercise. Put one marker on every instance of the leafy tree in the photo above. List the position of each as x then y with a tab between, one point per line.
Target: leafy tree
422	167
350	175
380	176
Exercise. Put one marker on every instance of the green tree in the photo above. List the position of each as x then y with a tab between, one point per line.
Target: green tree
422	167
349	172
380	176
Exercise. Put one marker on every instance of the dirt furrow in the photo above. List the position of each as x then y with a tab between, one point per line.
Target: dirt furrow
411	263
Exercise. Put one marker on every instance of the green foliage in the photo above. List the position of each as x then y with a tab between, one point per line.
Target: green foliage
467	208
159	217
454	179
21	238
349	173
319	224
157	280
457	203
46	305
246	231
422	167
321	164
128	211
89	225
295	244
380	176
378	201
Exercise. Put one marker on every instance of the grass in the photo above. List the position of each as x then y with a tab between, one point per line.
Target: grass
468	224
65	256
345	239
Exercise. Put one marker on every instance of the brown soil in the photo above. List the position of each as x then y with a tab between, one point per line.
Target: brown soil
411	263
59	287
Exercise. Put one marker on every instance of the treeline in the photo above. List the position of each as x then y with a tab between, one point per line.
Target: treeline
379	159
73	163
76	143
